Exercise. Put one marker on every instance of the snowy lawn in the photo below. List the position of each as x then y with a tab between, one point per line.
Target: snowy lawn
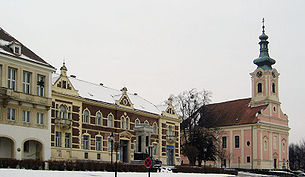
43	173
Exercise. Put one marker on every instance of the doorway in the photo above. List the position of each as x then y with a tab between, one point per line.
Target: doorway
275	163
170	155
124	151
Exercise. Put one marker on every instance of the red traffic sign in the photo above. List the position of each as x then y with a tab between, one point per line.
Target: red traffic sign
147	162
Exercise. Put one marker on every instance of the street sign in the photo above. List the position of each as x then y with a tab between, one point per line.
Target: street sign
147	162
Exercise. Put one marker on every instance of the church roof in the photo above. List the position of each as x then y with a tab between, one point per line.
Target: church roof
101	93
6	40
229	113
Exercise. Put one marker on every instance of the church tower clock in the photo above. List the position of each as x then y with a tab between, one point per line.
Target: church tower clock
264	78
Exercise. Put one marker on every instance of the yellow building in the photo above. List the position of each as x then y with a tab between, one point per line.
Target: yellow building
25	100
90	120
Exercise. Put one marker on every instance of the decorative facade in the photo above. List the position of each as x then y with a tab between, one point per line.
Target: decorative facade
25	101
253	132
94	122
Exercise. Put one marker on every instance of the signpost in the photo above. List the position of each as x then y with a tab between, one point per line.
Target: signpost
148	164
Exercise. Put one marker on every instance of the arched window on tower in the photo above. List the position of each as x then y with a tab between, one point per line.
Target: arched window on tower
259	88
273	88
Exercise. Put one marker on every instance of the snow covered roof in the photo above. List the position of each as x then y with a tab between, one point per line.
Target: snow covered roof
6	40
108	95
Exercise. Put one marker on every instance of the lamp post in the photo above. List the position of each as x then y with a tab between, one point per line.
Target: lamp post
111	140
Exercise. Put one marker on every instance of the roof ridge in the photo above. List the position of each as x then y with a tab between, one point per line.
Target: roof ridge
231	101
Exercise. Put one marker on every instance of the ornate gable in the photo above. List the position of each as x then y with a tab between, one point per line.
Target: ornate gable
170	110
124	101
63	84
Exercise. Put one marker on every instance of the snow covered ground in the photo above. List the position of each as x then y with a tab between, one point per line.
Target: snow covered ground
43	173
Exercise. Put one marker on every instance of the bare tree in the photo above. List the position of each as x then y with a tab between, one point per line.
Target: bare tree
297	156
195	138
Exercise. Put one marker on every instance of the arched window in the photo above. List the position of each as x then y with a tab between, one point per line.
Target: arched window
146	123
110	120
137	122
98	118
155	128
62	112
86	116
273	88
259	88
127	123
122	122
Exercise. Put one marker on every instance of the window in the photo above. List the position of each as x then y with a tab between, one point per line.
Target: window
68	140
40	118
98	118
155	128
40	85
259	88
64	84
146	123
12	74
122	122
137	122
236	141
127	123
273	88
86	155
224	142
26	82
248	143
170	131
86	142
248	159
98	156
62	112
109	144
98	143
284	146
17	50
11	114
26	116
110	120
86	116
58	139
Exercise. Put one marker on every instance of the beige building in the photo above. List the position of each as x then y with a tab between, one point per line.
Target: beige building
25	101
90	120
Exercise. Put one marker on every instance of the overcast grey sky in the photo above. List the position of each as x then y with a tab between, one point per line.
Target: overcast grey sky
162	47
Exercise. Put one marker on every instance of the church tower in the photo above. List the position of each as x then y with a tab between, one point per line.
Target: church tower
264	78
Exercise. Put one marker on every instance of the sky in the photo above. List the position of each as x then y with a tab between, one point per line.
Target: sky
161	47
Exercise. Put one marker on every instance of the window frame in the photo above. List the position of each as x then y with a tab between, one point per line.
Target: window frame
58	139
99	119
98	144
40	88
12	78
11	114
86	117
236	143
86	141
26	116
224	142
67	140
26	82
110	118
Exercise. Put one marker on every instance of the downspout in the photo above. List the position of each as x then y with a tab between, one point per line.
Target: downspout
252	147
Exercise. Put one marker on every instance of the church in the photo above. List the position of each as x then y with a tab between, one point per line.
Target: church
253	132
